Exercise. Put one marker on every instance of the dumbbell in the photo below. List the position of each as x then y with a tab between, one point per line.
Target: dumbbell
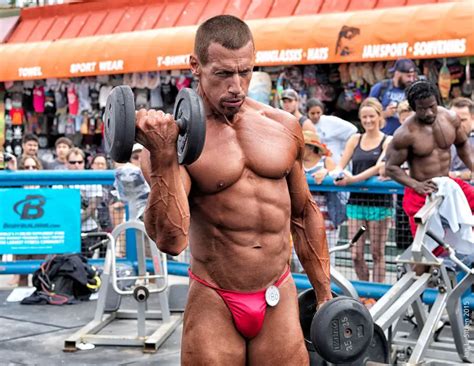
340	331
119	121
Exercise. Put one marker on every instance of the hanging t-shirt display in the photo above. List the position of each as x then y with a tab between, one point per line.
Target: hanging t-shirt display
60	96
17	116
103	94
38	99
156	101
94	96
28	100
169	91
83	95
72	99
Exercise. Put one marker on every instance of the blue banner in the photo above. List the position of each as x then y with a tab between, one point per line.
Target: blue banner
40	221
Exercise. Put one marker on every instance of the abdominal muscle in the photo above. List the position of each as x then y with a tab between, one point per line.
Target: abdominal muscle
239	237
436	164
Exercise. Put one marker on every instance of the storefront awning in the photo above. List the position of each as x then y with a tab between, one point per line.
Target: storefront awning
426	31
7	25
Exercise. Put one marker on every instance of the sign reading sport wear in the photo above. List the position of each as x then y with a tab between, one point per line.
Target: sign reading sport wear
40	221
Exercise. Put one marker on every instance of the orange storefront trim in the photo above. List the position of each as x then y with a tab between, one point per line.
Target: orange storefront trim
426	31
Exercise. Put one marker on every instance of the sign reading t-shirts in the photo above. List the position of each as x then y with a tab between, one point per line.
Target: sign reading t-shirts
40	221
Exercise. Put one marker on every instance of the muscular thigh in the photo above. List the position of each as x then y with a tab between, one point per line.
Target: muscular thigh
280	342
209	335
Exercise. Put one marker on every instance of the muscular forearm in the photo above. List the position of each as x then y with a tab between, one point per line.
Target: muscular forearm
399	175
167	214
312	249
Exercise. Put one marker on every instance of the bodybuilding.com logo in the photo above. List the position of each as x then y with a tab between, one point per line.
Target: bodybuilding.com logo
31	207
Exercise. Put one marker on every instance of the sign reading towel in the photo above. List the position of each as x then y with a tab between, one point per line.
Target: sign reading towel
40	221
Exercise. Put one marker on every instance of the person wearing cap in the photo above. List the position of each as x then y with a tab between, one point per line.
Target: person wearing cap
291	103
391	92
136	154
317	162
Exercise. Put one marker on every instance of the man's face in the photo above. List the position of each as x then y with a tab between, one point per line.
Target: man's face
315	113
30	148
426	110
405	79
290	105
225	79
62	150
465	116
75	162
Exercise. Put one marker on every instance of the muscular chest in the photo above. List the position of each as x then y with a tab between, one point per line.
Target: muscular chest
440	136
258	144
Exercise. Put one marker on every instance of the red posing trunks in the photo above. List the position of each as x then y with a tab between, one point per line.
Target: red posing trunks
247	308
413	201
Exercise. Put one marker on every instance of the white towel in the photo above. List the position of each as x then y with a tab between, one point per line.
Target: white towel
455	210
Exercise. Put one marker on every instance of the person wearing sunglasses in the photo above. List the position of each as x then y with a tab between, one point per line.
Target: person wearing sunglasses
91	194
30	163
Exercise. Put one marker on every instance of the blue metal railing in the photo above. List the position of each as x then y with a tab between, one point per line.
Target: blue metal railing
48	178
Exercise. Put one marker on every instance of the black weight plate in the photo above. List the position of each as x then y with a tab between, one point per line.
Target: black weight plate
341	330
190	110
378	350
119	121
307	308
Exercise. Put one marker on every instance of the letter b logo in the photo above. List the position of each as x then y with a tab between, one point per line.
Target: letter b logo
30	208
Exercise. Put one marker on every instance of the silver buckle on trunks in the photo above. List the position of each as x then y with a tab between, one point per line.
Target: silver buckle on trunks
272	295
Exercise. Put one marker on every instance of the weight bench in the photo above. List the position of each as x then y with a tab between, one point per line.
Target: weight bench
412	347
111	293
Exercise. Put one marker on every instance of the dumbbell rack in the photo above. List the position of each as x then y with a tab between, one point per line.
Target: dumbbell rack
420	344
111	293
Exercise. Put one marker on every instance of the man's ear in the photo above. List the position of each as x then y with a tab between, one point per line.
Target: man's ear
195	65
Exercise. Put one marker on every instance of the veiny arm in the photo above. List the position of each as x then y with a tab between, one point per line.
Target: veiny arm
397	154
167	216
309	233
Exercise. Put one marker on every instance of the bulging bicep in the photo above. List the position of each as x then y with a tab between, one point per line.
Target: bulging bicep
298	189
396	153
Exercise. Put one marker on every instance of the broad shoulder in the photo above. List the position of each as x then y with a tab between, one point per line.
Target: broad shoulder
450	116
404	135
277	115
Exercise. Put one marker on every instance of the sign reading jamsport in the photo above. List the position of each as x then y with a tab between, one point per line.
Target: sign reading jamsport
40	221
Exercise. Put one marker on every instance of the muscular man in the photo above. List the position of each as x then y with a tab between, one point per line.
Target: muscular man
236	206
424	141
291	104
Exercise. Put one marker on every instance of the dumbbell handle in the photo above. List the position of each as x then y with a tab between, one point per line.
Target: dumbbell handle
181	125
180	122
